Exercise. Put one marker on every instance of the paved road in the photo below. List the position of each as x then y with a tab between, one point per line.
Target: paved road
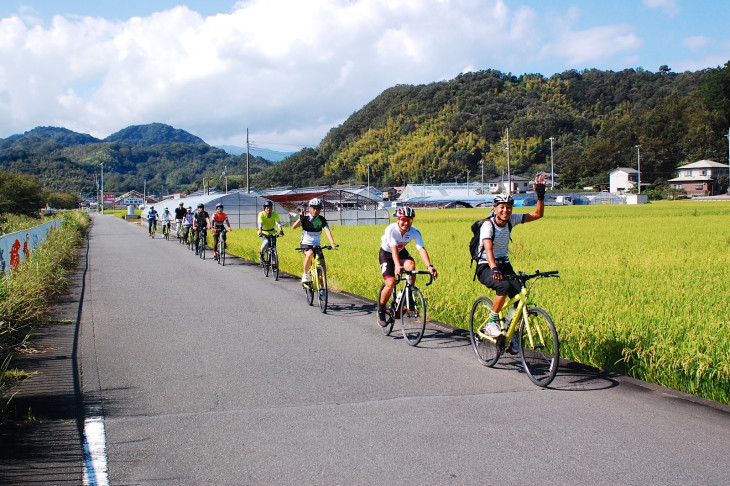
211	375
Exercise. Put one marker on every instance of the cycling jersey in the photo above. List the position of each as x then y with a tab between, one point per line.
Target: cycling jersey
180	213
312	229
152	215
166	216
393	237
268	225
219	220
188	219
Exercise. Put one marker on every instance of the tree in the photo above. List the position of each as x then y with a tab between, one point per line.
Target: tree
20	194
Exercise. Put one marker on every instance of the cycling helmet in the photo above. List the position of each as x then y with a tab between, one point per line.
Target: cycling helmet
151	208
182	204
268	204
315	202
404	212
190	208
219	206
503	199
201	205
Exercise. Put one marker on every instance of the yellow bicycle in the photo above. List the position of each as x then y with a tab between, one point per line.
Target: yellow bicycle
317	278
536	337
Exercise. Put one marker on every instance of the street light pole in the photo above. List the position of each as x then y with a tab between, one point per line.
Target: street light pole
467	183
552	172
638	164
482	163
102	188
368	165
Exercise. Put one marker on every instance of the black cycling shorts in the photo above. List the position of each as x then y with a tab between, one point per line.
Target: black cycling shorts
387	265
508	287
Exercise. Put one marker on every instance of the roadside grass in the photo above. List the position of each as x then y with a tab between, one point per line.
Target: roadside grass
26	293
10	223
643	289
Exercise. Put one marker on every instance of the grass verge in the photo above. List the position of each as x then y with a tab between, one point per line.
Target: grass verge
26	294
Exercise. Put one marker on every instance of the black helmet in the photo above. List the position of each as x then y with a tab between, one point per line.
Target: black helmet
268	204
404	212
201	205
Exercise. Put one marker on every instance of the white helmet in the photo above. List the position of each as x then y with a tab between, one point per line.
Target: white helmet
315	202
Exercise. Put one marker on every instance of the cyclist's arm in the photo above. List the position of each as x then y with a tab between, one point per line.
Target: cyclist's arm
489	255
329	235
427	261
540	208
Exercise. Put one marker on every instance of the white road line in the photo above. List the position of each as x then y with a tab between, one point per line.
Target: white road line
95	467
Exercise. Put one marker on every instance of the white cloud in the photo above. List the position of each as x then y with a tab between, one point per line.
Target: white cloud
593	45
283	68
697	42
670	7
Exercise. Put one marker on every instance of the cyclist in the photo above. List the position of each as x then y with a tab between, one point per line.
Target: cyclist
494	263
187	223
218	222
166	219
152	216
268	221
201	223
312	226
394	256
179	216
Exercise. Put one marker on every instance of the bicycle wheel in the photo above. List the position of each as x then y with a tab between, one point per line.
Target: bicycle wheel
222	253
201	246
266	261
539	347
389	312
275	263
413	317
309	288
322	289
487	351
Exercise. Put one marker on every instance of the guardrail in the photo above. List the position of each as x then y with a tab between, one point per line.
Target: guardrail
16	247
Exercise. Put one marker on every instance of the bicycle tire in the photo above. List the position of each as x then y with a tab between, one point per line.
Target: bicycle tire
266	261
201	246
413	320
540	356
389	312
221	251
322	294
487	351
274	261
309	289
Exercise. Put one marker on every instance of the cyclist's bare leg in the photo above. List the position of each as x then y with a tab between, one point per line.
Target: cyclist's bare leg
499	301
387	290
308	260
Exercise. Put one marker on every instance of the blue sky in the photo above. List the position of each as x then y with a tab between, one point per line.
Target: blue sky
290	70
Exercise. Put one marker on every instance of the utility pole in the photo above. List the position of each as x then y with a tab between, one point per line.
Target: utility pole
482	164
638	164
248	152
368	165
102	188
225	174
509	170
552	172
467	183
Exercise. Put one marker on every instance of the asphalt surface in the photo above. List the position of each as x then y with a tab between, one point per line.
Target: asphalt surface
216	375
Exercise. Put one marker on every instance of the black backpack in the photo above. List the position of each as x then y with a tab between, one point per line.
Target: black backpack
476	227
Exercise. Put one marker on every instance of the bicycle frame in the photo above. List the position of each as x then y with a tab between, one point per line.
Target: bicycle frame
520	312
403	297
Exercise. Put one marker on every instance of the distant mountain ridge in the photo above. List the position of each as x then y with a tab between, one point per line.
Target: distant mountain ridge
153	134
156	156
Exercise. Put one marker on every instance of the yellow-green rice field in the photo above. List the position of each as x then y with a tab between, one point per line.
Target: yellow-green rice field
644	290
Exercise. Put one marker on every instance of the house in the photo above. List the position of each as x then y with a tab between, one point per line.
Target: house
700	178
548	177
499	184
623	179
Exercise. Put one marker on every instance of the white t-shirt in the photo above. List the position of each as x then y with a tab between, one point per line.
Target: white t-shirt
392	237
500	240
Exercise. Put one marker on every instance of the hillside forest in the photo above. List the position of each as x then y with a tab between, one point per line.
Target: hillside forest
429	134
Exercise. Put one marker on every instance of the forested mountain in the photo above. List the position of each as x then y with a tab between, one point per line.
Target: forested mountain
157	156
438	132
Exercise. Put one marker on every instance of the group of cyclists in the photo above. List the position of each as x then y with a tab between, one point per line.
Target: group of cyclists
198	222
493	262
